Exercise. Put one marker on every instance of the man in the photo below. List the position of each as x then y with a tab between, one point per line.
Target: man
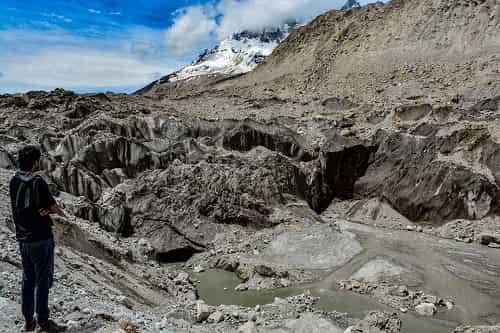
32	203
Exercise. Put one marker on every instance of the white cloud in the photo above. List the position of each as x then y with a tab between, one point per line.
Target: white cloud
258	14
193	26
36	60
59	17
94	11
197	24
80	68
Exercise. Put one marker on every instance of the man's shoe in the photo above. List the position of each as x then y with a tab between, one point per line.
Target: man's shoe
29	327
50	327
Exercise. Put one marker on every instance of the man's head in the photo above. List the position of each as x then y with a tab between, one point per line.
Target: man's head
29	158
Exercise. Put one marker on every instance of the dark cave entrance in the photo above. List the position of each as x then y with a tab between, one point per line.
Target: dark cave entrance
177	256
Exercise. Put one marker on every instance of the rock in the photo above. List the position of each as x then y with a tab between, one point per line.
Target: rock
198	269
285	283
9	316
241	287
376	212
488	238
252	316
316	247
125	301
264	270
426	309
182	278
378	322
402	291
384	269
332	178
248	327
308	323
431	299
278	300
438	188
478	329
112	215
202	311
216	317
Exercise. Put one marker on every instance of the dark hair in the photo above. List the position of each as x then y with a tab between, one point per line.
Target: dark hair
27	157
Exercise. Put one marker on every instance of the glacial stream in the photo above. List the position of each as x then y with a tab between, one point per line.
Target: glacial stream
467	274
216	287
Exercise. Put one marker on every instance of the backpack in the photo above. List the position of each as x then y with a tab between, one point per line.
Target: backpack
28	197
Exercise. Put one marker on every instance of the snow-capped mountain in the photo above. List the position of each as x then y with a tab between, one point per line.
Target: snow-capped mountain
237	54
351	4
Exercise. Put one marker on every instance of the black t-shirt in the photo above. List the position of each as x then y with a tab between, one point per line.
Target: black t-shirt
31	226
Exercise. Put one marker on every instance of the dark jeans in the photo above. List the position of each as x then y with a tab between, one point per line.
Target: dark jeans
38	275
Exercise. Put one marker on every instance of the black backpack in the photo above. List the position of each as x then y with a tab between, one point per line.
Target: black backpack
28	198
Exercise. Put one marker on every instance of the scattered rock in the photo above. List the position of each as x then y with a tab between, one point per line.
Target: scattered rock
182	278
308	323
378	322
426	309
216	317
477	329
487	239
248	327
198	269
202	311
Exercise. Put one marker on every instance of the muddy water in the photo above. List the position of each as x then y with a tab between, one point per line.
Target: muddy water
467	274
217	287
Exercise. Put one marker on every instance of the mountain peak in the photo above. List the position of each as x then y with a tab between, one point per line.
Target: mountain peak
237	54
351	4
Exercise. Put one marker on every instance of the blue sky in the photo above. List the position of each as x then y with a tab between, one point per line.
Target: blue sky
90	45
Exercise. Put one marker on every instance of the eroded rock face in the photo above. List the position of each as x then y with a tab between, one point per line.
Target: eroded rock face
251	134
197	200
340	165
420	181
178	180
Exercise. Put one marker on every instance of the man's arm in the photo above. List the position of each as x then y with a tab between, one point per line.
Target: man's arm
47	201
54	209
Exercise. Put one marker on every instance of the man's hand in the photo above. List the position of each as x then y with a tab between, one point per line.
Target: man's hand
54	209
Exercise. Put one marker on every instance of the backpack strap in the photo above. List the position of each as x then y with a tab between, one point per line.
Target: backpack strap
21	191
36	191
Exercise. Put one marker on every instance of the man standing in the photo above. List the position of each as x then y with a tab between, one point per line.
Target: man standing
32	203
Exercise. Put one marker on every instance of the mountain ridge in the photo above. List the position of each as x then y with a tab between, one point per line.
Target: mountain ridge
367	48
